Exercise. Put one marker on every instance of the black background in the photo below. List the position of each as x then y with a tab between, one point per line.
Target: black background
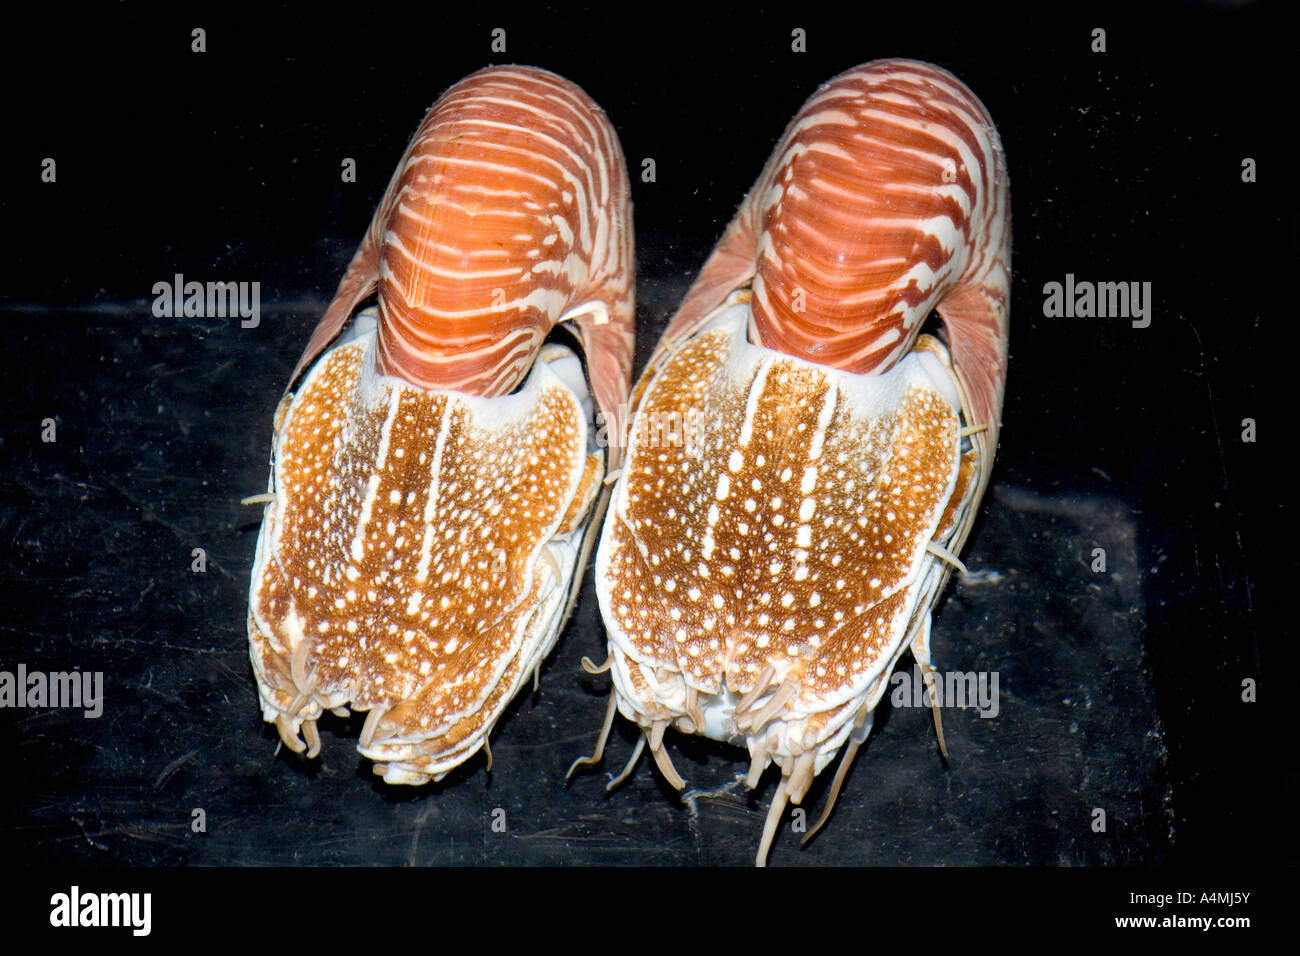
1121	691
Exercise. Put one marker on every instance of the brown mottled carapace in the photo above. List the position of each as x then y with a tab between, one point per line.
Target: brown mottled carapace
436	470
761	579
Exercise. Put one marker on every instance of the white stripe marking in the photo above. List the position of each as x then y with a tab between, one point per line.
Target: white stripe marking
435	489
751	402
357	549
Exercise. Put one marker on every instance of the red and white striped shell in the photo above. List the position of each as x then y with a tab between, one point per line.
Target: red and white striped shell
802	464
886	198
509	212
436	473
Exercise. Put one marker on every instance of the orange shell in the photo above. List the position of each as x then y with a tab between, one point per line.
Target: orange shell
887	197
509	212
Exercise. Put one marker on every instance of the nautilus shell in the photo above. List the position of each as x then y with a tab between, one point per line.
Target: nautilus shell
803	464
436	472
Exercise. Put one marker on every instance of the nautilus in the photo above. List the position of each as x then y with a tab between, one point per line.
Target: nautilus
436	475
803	463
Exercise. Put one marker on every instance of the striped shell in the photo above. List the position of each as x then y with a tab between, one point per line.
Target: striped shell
435	475
509	212
800	471
885	199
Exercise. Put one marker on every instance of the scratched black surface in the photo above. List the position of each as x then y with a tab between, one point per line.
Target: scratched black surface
1119	690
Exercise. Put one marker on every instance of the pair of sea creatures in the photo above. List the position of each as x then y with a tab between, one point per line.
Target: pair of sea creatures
781	497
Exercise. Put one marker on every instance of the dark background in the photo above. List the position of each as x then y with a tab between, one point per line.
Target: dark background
1120	691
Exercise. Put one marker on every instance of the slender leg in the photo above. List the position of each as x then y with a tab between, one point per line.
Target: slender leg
662	759
861	728
313	738
773	819
631	765
287	734
943	554
600	742
756	691
921	651
372	724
